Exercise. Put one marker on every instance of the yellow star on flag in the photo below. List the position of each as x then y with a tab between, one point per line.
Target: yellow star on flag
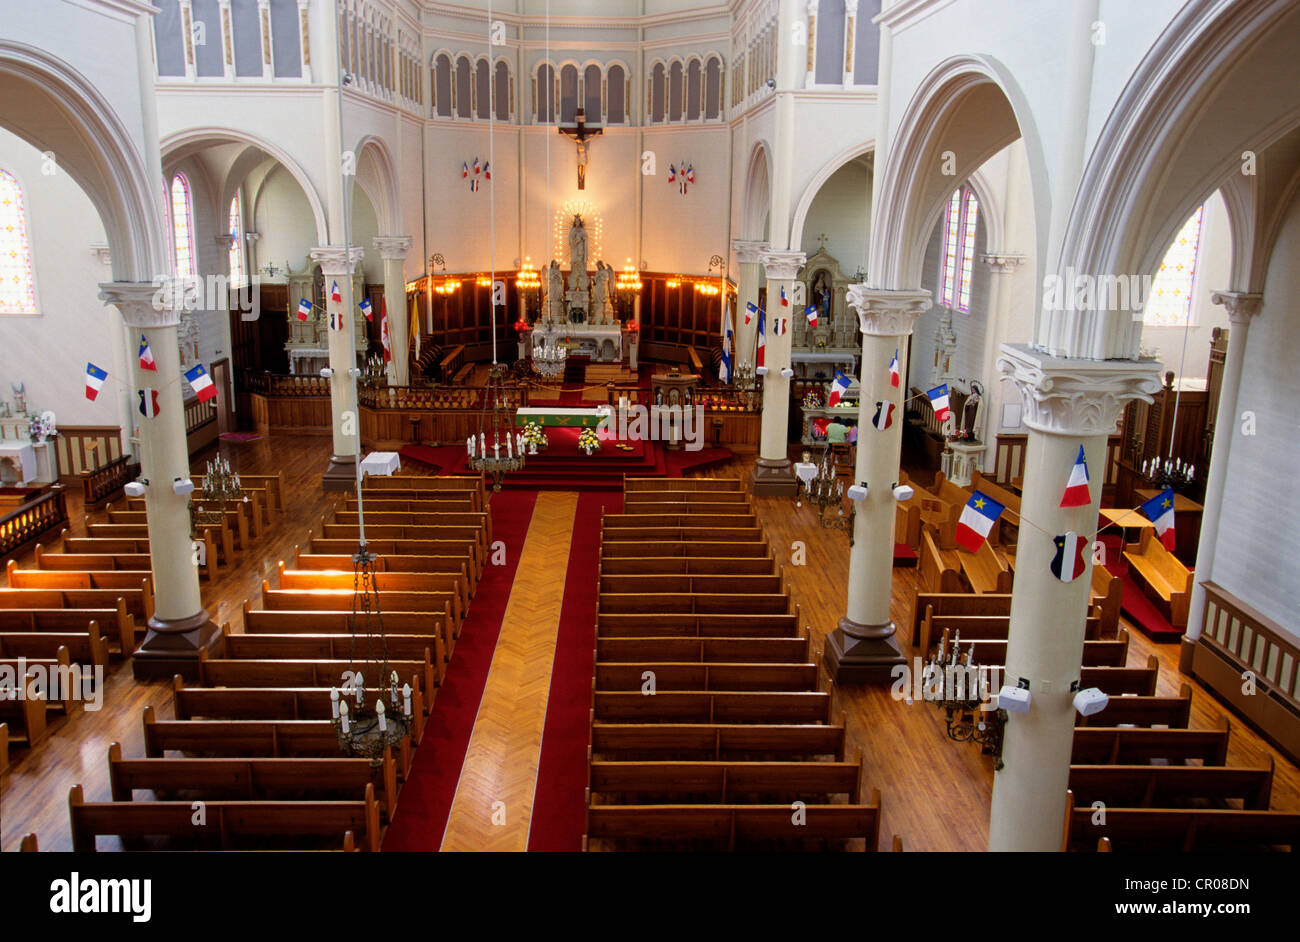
979	503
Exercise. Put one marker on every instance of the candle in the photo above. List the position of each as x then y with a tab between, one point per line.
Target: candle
510	446
406	699
392	687
379	712
343	716
361	688
334	702
496	449
482	444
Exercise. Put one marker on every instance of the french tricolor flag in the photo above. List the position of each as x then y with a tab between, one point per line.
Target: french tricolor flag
335	294
939	400
838	390
94	381
760	366
894	376
1160	511
464	170
785	302
1076	491
977	519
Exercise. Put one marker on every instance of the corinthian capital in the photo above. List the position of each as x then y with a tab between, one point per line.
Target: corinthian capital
883	313
337	259
782	266
1241	306
1067	396
393	248
747	252
145	303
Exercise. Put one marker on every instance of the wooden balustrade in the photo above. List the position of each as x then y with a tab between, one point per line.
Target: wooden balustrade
24	524
82	448
103	482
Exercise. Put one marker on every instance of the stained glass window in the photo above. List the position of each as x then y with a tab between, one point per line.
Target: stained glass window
1170	303
957	260
17	283
236	227
183	226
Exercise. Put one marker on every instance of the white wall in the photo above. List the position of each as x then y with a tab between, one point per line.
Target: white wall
48	352
842	211
1257	557
283	216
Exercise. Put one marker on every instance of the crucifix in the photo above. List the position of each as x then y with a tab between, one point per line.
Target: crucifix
580	134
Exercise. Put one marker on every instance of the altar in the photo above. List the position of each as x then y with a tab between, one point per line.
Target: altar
603	343
578	308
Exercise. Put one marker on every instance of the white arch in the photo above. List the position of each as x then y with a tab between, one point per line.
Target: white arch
804	206
377	176
191	138
758	191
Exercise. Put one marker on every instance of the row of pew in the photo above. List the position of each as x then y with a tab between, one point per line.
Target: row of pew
253	739
709	729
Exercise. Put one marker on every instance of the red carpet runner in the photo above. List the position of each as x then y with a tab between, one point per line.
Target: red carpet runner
559	803
422	809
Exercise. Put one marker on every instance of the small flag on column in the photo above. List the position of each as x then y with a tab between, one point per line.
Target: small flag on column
477	168
464	170
939	400
383	331
366	309
977	519
1068	563
839	387
690	173
894	376
1160	511
1076	491
146	355
202	383
760	365
304	309
94	381
724	371
487	170
750	310
148	402
336	320
780	325
335	294
785	302
811	313
884	416
672	173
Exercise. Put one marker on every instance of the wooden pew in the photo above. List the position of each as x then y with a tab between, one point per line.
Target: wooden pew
1162	576
1107	597
219	542
57	670
273	484
456	581
408	649
339	562
283	672
611	548
980	628
936	573
1180	830
985	570
1170	786
633	741
730	676
640	625
472	484
1118	681
340	600
134	586
253	778
436	502
1106	653
1111	745
115	609
687	565
44	633
696	535
238	526
681	485
1173	712
703	650
658	584
466	548
727	782
224	820
436	627
676	706
93	553
1008	499
649	521
23	718
695	603
477	521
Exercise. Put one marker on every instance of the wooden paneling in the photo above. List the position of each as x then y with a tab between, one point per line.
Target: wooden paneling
81	448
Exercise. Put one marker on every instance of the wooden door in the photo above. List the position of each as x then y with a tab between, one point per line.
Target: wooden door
221	379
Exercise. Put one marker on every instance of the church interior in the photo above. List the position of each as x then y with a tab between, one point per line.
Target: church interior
649	425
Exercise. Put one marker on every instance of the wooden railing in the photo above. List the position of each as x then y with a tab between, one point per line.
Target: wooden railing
436	397
102	483
1253	663
200	424
451	363
276	384
81	448
24	524
1009	462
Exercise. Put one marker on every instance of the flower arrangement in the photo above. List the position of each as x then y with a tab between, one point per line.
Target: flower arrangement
534	437
42	427
812	399
588	443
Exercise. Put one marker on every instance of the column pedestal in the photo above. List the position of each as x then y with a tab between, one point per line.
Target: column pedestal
773	477
172	647
862	654
340	474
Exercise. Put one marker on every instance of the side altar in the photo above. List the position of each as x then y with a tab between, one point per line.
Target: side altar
308	343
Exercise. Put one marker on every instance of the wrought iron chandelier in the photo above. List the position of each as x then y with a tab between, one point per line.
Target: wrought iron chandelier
221	487
549	357
1168	472
498	447
824	490
951	680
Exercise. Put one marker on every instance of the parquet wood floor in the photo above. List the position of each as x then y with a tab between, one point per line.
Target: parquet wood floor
494	797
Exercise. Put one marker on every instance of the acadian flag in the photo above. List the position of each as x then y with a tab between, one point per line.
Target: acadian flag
1160	511
811	313
1068	563
146	355
383	331
366	309
94	381
939	399
202	383
759	363
724	371
839	387
977	519
148	402
1076	491
304	309
894	376
785	302
750	310
884	416
335	294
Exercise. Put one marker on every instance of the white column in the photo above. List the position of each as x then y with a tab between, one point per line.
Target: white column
187	37
862	648
1241	307
304	38
264	30
1002	266
250	258
1067	403
179	628
810	74
850	40
772	473
747	257
393	249
337	263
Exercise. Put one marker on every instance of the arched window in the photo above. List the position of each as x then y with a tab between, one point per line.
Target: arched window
17	283
658	100
957	255
482	90
713	88
1170	304
183	227
544	93
463	84
503	96
568	93
616	81
592	92
235	221
675	90
442	86
694	90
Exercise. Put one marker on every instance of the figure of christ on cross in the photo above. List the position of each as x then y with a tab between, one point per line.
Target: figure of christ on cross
580	134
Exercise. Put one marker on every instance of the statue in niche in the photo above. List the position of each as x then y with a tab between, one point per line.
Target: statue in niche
945	345
821	291
554	292
600	288
577	255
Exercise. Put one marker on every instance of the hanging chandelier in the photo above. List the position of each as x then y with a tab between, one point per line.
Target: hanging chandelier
953	682
498	447
549	357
